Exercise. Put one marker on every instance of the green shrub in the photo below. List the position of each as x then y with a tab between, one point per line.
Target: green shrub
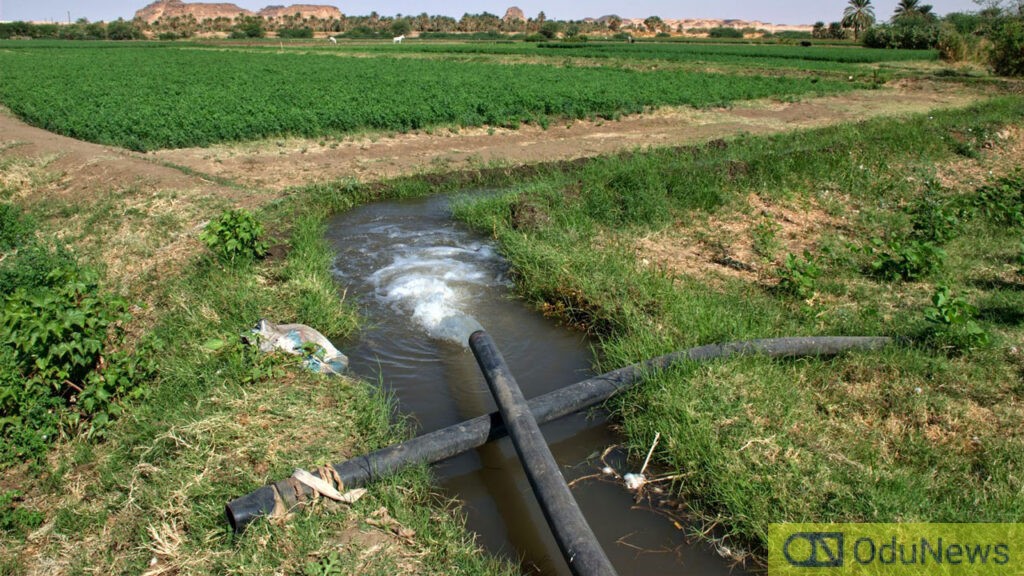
724	32
295	33
122	29
1007	53
798	277
235	235
35	265
907	36
63	364
249	27
953	327
952	45
905	260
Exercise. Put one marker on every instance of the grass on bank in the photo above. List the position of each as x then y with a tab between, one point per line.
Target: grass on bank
652	252
217	421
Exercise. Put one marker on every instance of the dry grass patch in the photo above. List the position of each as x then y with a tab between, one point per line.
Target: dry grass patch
747	243
1000	154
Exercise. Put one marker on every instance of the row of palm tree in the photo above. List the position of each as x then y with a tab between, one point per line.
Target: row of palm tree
859	15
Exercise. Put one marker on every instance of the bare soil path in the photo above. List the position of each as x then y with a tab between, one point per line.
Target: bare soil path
280	163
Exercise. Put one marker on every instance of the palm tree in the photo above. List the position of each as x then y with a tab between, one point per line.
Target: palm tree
925	13
910	10
859	15
905	9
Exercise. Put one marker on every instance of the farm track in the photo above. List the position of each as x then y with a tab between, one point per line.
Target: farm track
281	163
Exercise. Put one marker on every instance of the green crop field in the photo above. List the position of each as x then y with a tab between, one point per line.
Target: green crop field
675	51
741	57
154	96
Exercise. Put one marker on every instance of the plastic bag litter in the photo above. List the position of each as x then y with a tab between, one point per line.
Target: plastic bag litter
293	339
634	481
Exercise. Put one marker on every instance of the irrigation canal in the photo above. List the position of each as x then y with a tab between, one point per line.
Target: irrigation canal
426	283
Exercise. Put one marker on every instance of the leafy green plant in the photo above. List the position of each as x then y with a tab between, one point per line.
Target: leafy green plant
235	235
66	369
329	565
952	322
1020	257
1002	201
1007	53
905	259
35	265
936	220
798	276
765	238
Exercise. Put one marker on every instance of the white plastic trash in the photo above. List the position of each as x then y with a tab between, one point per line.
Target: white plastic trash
293	338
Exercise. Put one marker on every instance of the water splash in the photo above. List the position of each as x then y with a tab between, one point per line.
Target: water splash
435	279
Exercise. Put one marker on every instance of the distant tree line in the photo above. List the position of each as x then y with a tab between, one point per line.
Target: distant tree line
374	25
994	34
82	29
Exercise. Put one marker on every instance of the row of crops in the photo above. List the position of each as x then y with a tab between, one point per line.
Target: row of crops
845	59
676	51
150	97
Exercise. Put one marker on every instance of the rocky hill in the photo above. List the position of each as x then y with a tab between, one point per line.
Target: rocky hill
204	10
514	13
320	11
164	9
688	23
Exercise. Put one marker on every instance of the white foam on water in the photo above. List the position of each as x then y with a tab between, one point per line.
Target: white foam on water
435	282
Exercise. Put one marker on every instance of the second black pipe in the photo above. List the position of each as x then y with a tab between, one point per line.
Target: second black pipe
579	545
456	439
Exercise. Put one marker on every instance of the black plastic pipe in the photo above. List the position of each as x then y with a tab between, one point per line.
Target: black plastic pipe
579	545
464	436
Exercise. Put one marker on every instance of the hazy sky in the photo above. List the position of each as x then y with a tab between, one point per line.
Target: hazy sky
775	11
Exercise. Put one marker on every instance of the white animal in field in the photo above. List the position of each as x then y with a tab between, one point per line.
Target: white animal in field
333	39
293	338
398	39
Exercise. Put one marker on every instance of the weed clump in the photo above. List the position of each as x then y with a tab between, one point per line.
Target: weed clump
235	235
63	366
952	325
15	519
15	229
798	276
1002	201
905	259
936	220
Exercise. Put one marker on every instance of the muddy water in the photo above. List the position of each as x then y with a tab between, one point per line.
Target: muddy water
426	284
